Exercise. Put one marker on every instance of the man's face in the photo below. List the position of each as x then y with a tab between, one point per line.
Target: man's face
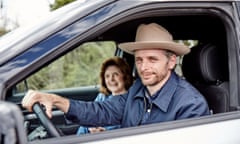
153	66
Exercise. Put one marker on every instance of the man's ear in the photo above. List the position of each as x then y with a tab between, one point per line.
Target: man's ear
172	61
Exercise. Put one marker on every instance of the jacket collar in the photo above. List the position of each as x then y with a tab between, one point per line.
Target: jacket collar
165	94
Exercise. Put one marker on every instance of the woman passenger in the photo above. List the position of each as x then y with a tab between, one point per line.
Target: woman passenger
116	78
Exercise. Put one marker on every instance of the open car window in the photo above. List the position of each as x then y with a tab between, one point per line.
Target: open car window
78	68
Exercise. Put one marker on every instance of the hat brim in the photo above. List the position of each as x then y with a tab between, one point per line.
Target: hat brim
178	48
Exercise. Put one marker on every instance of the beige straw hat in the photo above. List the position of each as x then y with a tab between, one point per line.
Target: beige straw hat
154	36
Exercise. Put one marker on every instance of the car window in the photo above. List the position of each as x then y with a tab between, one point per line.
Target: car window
190	44
77	68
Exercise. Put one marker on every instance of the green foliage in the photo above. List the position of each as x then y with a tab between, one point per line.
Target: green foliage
60	3
3	31
81	67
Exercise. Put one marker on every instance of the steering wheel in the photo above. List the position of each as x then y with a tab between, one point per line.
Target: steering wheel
45	121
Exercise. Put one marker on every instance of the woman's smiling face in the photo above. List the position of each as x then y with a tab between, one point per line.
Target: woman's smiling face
114	80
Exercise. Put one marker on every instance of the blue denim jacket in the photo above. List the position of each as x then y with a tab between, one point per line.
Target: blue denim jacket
176	100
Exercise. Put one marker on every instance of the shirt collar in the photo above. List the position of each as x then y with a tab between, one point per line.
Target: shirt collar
163	96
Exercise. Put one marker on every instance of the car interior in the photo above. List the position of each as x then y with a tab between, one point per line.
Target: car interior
209	56
210	77
206	36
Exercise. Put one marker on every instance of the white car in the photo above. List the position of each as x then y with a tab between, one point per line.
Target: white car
62	54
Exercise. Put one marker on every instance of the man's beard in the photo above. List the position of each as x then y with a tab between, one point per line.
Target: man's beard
154	80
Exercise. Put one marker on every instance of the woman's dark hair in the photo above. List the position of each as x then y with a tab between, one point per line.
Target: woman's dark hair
124	68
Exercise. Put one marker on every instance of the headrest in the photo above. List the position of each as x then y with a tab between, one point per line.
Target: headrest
206	64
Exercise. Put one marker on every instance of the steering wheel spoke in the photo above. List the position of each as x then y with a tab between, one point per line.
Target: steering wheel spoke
45	121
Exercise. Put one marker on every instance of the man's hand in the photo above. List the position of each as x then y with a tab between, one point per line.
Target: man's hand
46	99
43	98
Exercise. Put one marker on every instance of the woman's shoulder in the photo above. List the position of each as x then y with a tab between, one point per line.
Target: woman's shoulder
101	97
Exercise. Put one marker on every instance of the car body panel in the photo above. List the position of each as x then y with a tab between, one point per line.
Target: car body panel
182	132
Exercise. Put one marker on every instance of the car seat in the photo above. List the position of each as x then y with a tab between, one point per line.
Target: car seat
206	67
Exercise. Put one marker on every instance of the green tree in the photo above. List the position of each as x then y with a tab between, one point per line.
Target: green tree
80	67
59	3
3	31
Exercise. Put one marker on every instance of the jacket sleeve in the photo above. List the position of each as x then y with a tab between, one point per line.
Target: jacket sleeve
193	108
108	112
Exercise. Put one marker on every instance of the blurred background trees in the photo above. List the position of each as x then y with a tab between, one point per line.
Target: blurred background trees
59	3
80	67
2	31
9	21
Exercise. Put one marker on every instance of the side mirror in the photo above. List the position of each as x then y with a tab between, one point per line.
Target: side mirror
11	124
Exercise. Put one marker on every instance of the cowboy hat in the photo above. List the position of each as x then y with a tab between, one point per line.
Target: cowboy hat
154	36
